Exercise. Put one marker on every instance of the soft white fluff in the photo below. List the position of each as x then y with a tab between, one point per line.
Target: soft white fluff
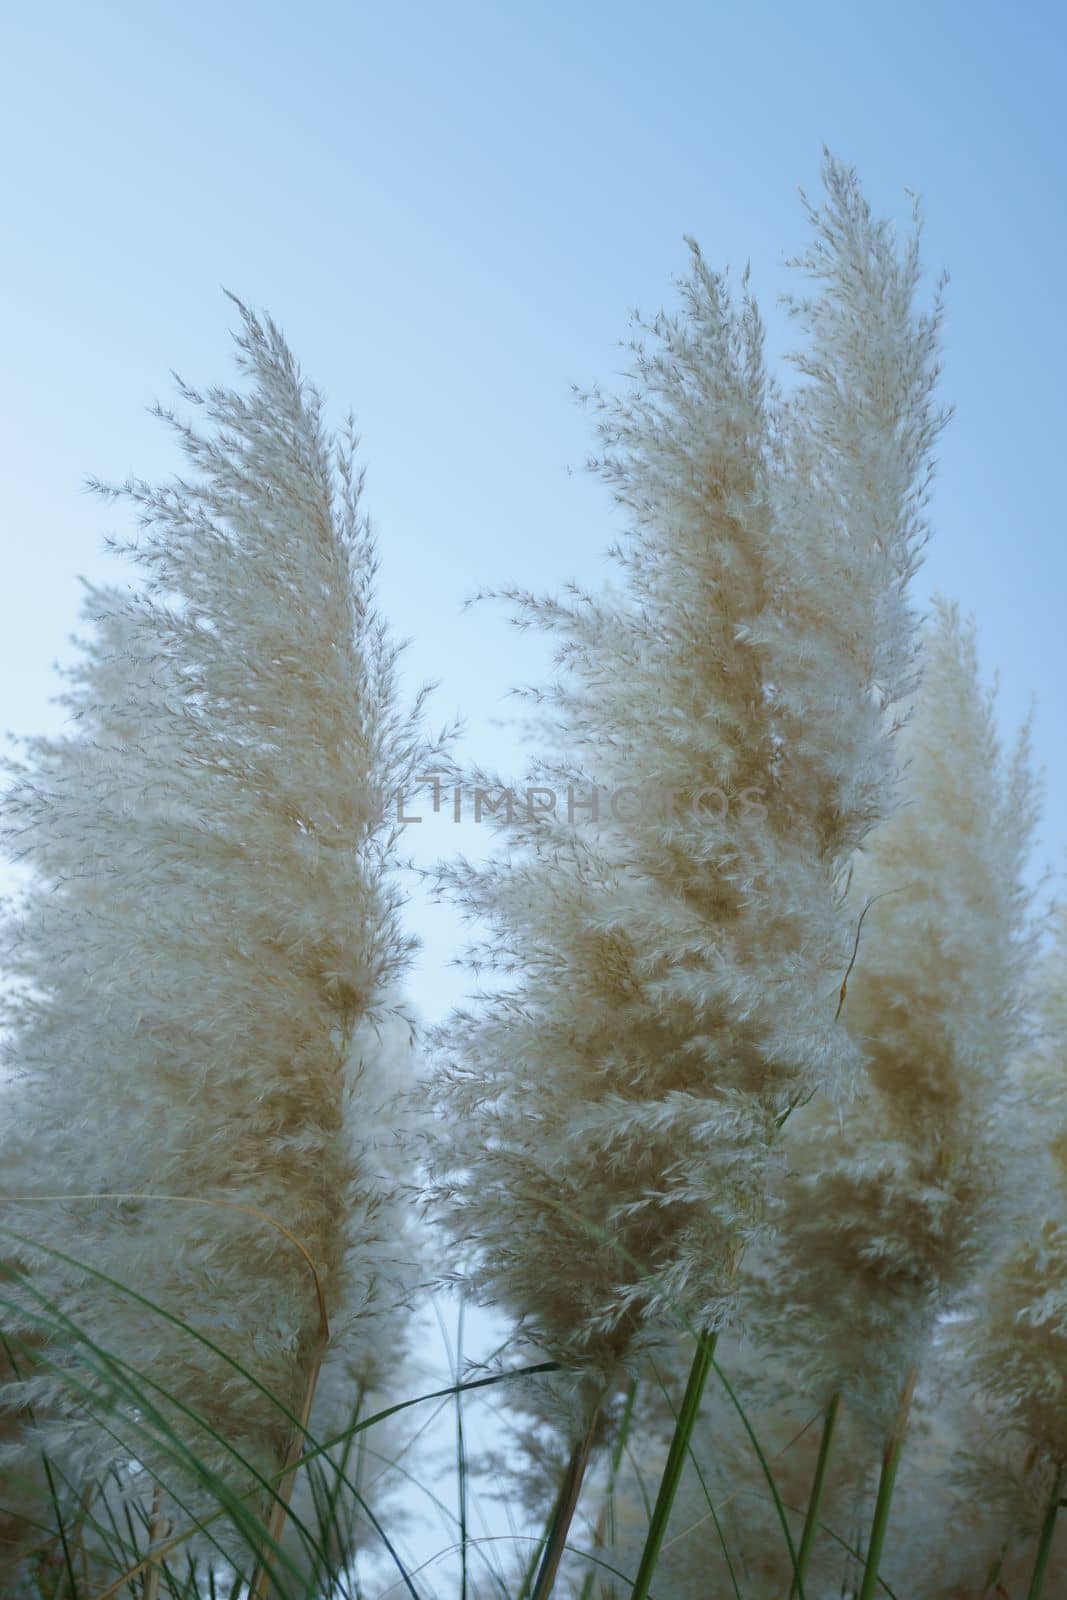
1018	1337
213	930
895	1201
669	983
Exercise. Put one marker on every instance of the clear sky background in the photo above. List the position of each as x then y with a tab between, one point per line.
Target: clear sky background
451	209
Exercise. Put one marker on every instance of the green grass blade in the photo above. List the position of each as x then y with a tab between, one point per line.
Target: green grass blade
60	1521
676	1459
1044	1543
767	1473
712	1512
252	1528
462	1484
811	1520
150	1423
886	1480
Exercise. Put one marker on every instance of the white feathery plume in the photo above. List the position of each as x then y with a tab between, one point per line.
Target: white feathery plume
1016	1341
894	1201
669	976
213	928
969	1497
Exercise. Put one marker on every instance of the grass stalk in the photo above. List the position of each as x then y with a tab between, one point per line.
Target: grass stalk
605	1523
713	1513
676	1458
532	1566
566	1505
811	1520
765	1468
1044	1543
317	1451
890	1462
462	1483
68	1565
157	1532
259	1588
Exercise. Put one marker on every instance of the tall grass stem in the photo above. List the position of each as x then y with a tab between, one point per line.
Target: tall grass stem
1044	1543
605	1523
157	1531
259	1588
890	1462
811	1520
566	1505
676	1457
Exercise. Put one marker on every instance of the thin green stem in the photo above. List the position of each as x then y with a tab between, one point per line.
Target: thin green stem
719	1533
996	1569
461	1466
566	1505
890	1462
1044	1543
676	1458
765	1468
811	1520
617	1453
605	1526
67	1562
534	1563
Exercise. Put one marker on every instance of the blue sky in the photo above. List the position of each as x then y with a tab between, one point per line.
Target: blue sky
451	211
